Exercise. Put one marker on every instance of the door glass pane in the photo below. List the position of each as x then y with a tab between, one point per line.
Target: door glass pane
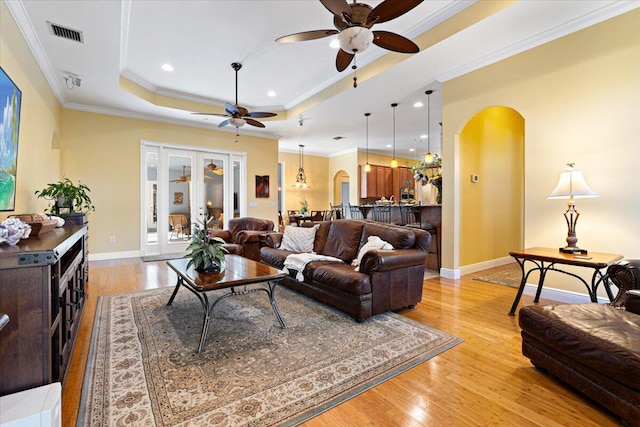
151	197
179	198
213	191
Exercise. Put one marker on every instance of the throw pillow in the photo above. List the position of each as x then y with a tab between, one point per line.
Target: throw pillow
373	243
299	239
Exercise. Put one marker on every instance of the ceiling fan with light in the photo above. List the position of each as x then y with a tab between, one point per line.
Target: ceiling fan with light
211	167
353	24
186	177
237	115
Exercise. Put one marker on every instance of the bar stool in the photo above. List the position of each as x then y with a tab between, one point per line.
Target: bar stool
412	217
382	213
337	211
356	212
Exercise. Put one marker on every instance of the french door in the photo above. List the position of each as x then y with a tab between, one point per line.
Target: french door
183	188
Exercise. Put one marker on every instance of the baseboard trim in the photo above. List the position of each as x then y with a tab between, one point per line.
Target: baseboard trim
561	295
113	255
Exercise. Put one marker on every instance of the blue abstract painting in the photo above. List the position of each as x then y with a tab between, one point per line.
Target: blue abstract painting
10	101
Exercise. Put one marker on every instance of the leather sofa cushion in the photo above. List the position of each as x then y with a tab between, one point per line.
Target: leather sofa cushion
398	237
274	257
338	276
343	240
598	336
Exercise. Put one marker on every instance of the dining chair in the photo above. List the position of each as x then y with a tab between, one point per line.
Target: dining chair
412	217
317	215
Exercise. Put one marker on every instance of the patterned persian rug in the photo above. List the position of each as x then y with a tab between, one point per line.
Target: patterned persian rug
510	275
143	368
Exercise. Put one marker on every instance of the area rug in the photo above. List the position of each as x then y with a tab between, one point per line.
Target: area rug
510	275
143	368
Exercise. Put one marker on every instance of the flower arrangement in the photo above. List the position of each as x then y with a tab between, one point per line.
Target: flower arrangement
304	206
12	230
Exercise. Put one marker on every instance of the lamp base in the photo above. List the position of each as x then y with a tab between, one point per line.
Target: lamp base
573	250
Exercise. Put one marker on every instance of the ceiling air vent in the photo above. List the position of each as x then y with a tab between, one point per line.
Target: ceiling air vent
338	138
65	33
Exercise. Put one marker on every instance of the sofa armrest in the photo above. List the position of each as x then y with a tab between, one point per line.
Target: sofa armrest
381	260
223	234
249	236
632	301
273	240
625	275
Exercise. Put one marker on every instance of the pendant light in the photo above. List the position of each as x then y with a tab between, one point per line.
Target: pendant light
394	162
428	158
301	178
367	166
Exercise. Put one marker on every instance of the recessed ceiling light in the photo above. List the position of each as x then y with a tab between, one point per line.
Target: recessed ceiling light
334	43
389	145
412	149
167	67
423	136
271	93
418	104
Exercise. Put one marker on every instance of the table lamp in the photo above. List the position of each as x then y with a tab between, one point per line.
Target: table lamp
572	185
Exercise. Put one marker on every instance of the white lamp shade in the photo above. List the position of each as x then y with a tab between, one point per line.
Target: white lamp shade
572	184
237	122
355	39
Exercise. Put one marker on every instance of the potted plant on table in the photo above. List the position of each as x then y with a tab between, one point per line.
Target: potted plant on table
206	253
67	195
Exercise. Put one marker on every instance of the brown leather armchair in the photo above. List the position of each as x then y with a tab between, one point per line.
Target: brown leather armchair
243	236
626	276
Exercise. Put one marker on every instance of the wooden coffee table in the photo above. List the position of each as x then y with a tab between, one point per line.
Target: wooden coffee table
236	275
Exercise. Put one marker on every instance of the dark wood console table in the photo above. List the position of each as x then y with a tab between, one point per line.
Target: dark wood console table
42	290
545	260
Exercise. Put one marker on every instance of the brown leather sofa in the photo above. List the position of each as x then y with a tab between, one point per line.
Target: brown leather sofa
244	235
595	348
387	280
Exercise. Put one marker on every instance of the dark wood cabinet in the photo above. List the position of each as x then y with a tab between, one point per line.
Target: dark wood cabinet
377	183
42	290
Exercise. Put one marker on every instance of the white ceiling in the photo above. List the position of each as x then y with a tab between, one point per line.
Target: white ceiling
133	38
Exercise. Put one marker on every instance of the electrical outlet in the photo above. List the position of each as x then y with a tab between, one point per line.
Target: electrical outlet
112	239
475	178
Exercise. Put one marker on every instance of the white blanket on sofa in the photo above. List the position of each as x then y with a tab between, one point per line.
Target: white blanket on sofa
299	261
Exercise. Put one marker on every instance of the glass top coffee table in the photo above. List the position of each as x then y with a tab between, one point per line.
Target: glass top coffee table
237	274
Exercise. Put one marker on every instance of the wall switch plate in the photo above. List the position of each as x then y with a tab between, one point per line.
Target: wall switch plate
475	177
253	204
112	239
272	204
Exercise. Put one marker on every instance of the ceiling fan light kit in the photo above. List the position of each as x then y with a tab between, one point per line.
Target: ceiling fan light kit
353	24
238	115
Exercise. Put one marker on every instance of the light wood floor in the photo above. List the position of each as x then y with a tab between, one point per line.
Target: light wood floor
484	381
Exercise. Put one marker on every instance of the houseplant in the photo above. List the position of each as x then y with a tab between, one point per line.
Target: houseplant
206	253
67	195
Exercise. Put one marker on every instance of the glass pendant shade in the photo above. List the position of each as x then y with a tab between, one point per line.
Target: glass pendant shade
301	177
355	39
428	158
394	163
367	167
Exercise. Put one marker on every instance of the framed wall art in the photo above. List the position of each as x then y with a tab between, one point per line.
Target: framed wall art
262	186
10	102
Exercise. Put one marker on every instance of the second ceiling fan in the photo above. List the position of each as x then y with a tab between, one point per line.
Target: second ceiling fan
238	115
353	23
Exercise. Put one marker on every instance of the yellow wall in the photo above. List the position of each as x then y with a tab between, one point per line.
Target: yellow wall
316	169
491	210
579	98
38	156
343	166
104	152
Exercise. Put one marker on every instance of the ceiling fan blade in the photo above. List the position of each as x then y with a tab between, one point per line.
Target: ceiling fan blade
343	59
394	42
242	111
337	7
306	35
391	9
231	109
260	114
210	114
223	123
219	172
254	123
